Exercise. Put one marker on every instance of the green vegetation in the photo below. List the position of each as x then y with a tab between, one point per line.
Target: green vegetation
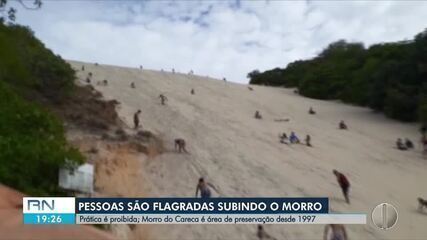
32	141
389	77
28	65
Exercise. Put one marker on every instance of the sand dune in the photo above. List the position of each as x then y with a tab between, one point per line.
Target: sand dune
243	157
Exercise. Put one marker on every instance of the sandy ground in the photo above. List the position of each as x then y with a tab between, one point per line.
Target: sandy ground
243	157
118	173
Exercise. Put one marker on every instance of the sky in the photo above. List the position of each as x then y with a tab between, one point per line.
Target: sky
215	38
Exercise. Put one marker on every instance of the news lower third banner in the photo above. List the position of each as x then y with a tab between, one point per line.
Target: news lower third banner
69	210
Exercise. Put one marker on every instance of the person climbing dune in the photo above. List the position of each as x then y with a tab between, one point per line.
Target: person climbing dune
204	188
308	140
344	184
136	119
180	145
163	99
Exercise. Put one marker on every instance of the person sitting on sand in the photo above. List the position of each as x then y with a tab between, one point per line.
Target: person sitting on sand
342	125
262	234
284	138
132	85
257	115
293	138
335	232
180	145
251	89
204	188
163	99
308	140
136	119
311	111
400	145
408	144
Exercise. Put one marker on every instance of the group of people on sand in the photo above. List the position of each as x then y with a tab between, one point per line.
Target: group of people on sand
293	139
332	231
204	188
404	145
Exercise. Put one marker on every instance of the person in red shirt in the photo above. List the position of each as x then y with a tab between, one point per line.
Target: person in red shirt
344	184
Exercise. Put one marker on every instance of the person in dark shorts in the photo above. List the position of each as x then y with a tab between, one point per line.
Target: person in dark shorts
136	119
344	184
204	188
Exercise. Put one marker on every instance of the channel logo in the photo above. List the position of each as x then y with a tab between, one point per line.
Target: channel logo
50	210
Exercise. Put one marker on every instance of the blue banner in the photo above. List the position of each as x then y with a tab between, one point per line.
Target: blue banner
201	206
51	218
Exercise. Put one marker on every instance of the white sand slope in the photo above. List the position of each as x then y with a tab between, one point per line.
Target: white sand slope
243	157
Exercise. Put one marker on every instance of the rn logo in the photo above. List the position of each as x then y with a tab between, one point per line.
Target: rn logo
40	205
